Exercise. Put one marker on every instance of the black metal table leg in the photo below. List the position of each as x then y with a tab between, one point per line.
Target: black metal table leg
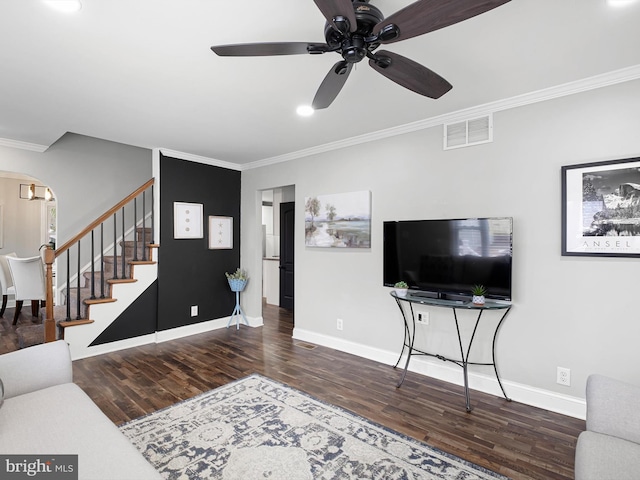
406	332
410	334
493	354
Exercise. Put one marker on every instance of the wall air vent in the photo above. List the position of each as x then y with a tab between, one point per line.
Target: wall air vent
468	132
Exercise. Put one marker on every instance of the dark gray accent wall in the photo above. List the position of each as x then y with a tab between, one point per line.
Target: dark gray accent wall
188	272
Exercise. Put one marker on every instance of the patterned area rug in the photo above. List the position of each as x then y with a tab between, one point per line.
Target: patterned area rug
257	428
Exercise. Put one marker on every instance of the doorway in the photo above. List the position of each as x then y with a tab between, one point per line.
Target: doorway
28	217
27	223
278	212
287	254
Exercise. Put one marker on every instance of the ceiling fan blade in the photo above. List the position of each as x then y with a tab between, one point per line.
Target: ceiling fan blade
268	49
425	16
331	85
409	74
338	8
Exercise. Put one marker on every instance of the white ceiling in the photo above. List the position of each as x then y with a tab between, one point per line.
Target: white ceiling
141	72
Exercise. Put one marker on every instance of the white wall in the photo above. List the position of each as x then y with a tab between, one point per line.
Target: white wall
87	176
574	312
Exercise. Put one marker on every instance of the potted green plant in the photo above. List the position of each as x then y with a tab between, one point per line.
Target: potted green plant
478	292
237	280
401	288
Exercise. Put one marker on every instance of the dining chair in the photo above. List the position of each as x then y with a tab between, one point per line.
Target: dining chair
6	282
28	282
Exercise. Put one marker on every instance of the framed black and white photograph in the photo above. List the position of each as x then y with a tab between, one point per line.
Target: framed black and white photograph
220	232
187	220
601	208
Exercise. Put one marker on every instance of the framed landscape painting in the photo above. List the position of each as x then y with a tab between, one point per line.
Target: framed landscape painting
601	208
338	221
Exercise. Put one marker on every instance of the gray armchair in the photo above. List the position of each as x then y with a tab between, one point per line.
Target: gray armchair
610	447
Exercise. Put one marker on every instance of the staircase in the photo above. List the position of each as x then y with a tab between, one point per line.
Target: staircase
99	280
100	291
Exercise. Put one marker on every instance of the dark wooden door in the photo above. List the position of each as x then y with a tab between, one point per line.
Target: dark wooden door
287	214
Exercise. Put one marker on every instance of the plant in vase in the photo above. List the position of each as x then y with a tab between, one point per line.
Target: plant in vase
237	280
478	292
401	288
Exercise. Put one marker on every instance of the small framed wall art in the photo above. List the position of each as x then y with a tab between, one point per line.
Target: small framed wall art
601	209
187	220
220	232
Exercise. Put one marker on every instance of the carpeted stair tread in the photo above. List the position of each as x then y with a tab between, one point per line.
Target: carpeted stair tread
59	314
29	335
143	251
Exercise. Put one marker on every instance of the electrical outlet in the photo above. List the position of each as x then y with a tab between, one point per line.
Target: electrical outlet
423	318
339	324
564	376
194	310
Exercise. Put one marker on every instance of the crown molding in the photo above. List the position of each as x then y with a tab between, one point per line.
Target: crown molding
34	147
199	159
591	83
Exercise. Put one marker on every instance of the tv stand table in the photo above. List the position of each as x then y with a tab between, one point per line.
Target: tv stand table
405	304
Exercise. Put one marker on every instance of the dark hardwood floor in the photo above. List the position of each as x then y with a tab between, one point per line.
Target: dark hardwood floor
8	332
516	440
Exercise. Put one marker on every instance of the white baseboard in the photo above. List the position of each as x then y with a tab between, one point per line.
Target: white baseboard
536	397
113	346
202	327
162	336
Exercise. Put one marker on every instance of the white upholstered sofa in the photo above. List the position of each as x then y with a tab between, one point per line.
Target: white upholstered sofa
45	413
610	447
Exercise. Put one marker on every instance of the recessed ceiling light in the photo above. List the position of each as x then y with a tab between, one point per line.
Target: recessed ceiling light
66	6
305	110
620	3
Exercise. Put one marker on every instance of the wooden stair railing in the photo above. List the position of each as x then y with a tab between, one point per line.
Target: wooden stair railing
50	255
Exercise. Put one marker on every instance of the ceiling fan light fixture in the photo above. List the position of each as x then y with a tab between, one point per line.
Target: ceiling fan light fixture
354	29
66	6
305	110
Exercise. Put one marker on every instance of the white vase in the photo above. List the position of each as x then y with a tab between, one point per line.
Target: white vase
478	299
401	292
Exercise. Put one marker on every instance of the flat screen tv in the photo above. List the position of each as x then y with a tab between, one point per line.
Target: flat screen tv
445	258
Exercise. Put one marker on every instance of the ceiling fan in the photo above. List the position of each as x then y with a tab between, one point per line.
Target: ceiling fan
355	29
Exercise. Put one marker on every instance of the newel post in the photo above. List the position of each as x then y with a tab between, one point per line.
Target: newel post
49	322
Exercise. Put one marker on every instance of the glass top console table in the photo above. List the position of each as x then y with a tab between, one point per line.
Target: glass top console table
406	306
